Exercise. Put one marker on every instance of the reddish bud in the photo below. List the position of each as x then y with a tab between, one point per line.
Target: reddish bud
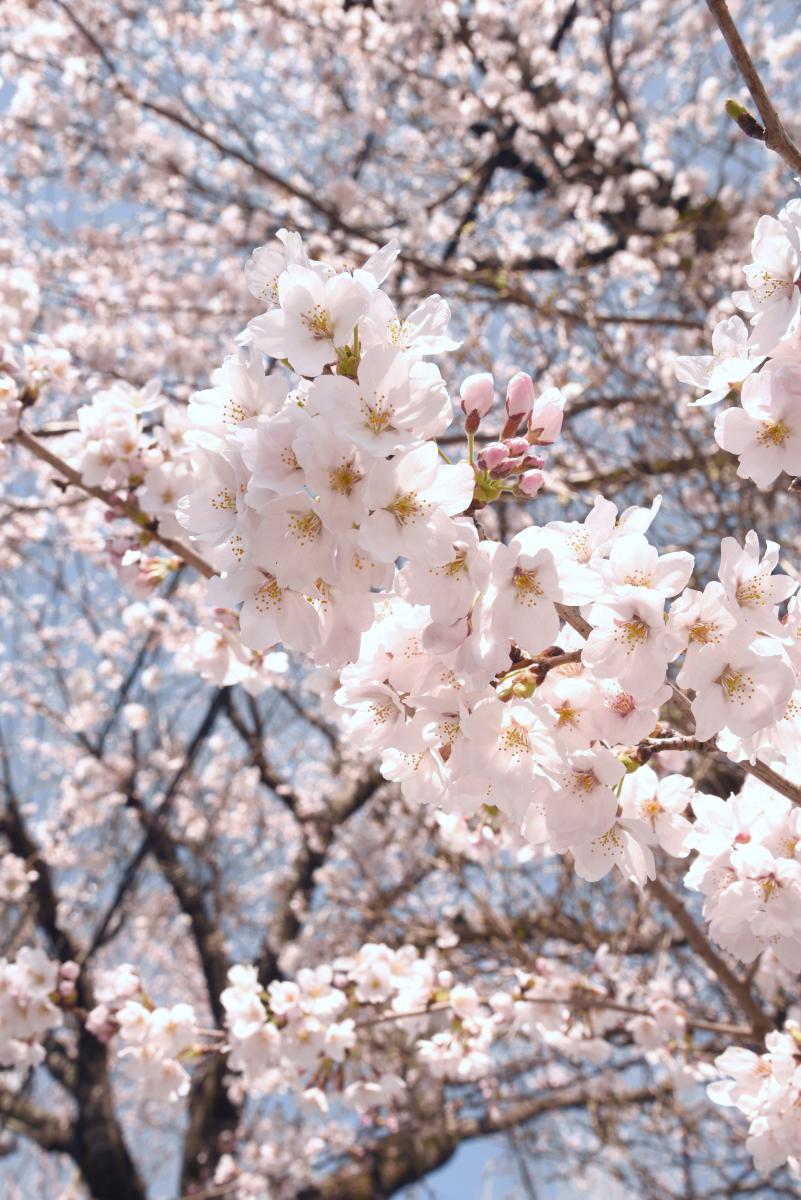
472	422
504	469
516	446
492	455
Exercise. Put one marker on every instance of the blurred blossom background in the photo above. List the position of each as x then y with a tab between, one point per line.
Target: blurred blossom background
564	174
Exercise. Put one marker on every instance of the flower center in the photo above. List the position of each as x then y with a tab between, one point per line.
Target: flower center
398	331
405	508
234	413
704	632
773	433
765	287
456	567
378	415
224	500
381	712
268	595
768	886
583	781
304	527
650	809
752	591
318	322
634	632
579	543
639	579
344	478
736	685
527	586
622	703
515	740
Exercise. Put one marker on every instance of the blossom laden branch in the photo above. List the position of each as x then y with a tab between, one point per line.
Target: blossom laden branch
115	503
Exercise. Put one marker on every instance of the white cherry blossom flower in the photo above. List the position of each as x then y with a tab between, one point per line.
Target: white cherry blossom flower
412	499
773	297
314	318
740	690
629	639
659	805
752	592
730	363
765	433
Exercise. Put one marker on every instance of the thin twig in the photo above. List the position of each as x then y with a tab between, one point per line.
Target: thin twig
776	137
126	508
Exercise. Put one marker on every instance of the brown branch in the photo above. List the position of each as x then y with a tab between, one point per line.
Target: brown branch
300	886
207	935
157	821
267	774
98	1145
127	508
404	1157
776	137
736	988
24	1117
637	469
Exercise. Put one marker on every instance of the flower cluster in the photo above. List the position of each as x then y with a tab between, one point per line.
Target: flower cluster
299	1034
32	987
767	1089
25	371
155	1038
15	878
337	525
331	1029
490	716
315	490
763	366
748	869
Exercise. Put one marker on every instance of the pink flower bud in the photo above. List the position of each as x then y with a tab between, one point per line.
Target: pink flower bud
69	970
530	483
491	455
520	395
504	469
516	446
477	394
532	459
545	422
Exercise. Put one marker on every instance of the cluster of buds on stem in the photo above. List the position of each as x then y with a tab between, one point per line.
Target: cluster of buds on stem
512	463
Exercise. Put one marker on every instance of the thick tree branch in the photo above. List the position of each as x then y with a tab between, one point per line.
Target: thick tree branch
404	1157
98	1145
32	1121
